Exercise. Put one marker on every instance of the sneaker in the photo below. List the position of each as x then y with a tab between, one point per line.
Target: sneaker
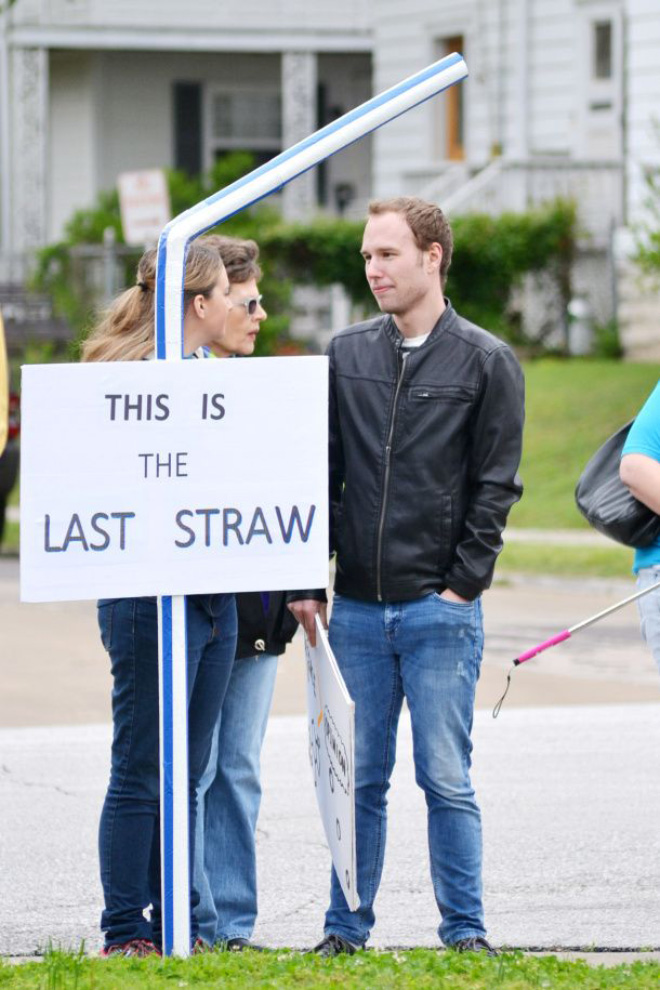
136	947
240	944
200	947
476	943
334	945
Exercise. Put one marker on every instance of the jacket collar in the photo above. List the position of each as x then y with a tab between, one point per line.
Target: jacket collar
446	320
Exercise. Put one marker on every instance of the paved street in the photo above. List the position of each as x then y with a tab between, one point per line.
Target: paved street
570	799
567	778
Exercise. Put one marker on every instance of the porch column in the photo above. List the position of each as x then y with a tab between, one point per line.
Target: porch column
299	120
29	125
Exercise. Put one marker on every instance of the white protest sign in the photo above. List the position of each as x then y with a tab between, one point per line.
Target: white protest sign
144	203
331	724
172	478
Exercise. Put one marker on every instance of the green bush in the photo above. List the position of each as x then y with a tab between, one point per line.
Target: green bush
491	257
61	270
493	254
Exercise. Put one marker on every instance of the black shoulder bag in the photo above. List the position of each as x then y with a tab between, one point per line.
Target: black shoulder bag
607	504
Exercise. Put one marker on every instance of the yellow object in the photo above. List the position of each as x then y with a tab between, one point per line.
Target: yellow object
4	389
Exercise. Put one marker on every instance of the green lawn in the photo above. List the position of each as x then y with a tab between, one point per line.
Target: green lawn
572	407
420	969
10	541
565	561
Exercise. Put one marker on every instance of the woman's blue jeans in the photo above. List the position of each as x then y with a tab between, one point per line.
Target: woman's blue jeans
129	835
428	651
228	804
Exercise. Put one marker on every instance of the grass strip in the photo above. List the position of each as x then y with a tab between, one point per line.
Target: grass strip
553	560
11	539
416	969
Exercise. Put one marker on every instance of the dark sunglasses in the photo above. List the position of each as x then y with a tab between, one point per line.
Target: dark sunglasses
251	304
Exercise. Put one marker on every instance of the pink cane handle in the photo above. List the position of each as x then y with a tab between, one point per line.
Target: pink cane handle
559	638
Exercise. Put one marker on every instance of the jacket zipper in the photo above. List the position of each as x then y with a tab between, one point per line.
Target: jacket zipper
401	356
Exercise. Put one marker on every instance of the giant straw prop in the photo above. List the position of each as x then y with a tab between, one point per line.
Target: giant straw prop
566	634
172	248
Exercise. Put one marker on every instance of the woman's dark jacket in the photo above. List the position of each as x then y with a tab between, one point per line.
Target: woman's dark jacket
261	630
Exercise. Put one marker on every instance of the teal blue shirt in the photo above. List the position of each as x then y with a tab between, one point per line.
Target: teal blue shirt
644	438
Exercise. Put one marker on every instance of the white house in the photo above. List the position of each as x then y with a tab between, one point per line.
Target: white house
89	89
560	100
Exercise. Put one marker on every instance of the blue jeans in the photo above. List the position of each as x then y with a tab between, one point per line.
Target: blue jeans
129	835
228	801
649	609
428	650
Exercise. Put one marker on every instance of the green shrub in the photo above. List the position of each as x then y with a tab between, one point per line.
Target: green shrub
61	268
491	257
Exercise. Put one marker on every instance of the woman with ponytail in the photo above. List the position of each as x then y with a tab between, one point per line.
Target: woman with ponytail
129	835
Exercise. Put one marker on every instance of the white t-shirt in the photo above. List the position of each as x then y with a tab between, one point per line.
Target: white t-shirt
409	342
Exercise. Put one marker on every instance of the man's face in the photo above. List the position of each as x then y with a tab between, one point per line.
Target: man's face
399	273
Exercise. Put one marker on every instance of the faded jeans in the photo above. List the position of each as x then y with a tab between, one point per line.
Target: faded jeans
428	651
228	803
649	609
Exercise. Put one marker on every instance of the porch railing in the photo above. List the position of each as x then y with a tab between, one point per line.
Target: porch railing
508	184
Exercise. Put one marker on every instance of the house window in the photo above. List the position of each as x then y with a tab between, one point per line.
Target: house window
245	120
188	127
602	50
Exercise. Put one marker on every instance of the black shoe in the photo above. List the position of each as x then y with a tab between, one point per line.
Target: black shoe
334	945
474	944
239	944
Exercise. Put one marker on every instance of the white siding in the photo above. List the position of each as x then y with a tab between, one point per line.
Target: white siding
493	37
112	112
643	98
526	94
348	82
262	15
553	79
72	158
403	44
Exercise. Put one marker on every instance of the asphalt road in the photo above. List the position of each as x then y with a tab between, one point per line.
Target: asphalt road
570	799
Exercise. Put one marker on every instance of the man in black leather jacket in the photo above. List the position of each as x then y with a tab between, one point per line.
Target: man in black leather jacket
426	417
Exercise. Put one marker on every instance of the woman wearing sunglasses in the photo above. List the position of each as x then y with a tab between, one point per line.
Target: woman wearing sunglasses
230	790
240	259
129	836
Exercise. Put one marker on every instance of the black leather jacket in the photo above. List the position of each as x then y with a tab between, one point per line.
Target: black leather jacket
424	453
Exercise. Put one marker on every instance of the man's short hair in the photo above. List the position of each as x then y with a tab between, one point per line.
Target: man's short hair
428	223
240	257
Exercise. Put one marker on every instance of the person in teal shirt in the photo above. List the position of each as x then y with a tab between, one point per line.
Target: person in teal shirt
640	472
